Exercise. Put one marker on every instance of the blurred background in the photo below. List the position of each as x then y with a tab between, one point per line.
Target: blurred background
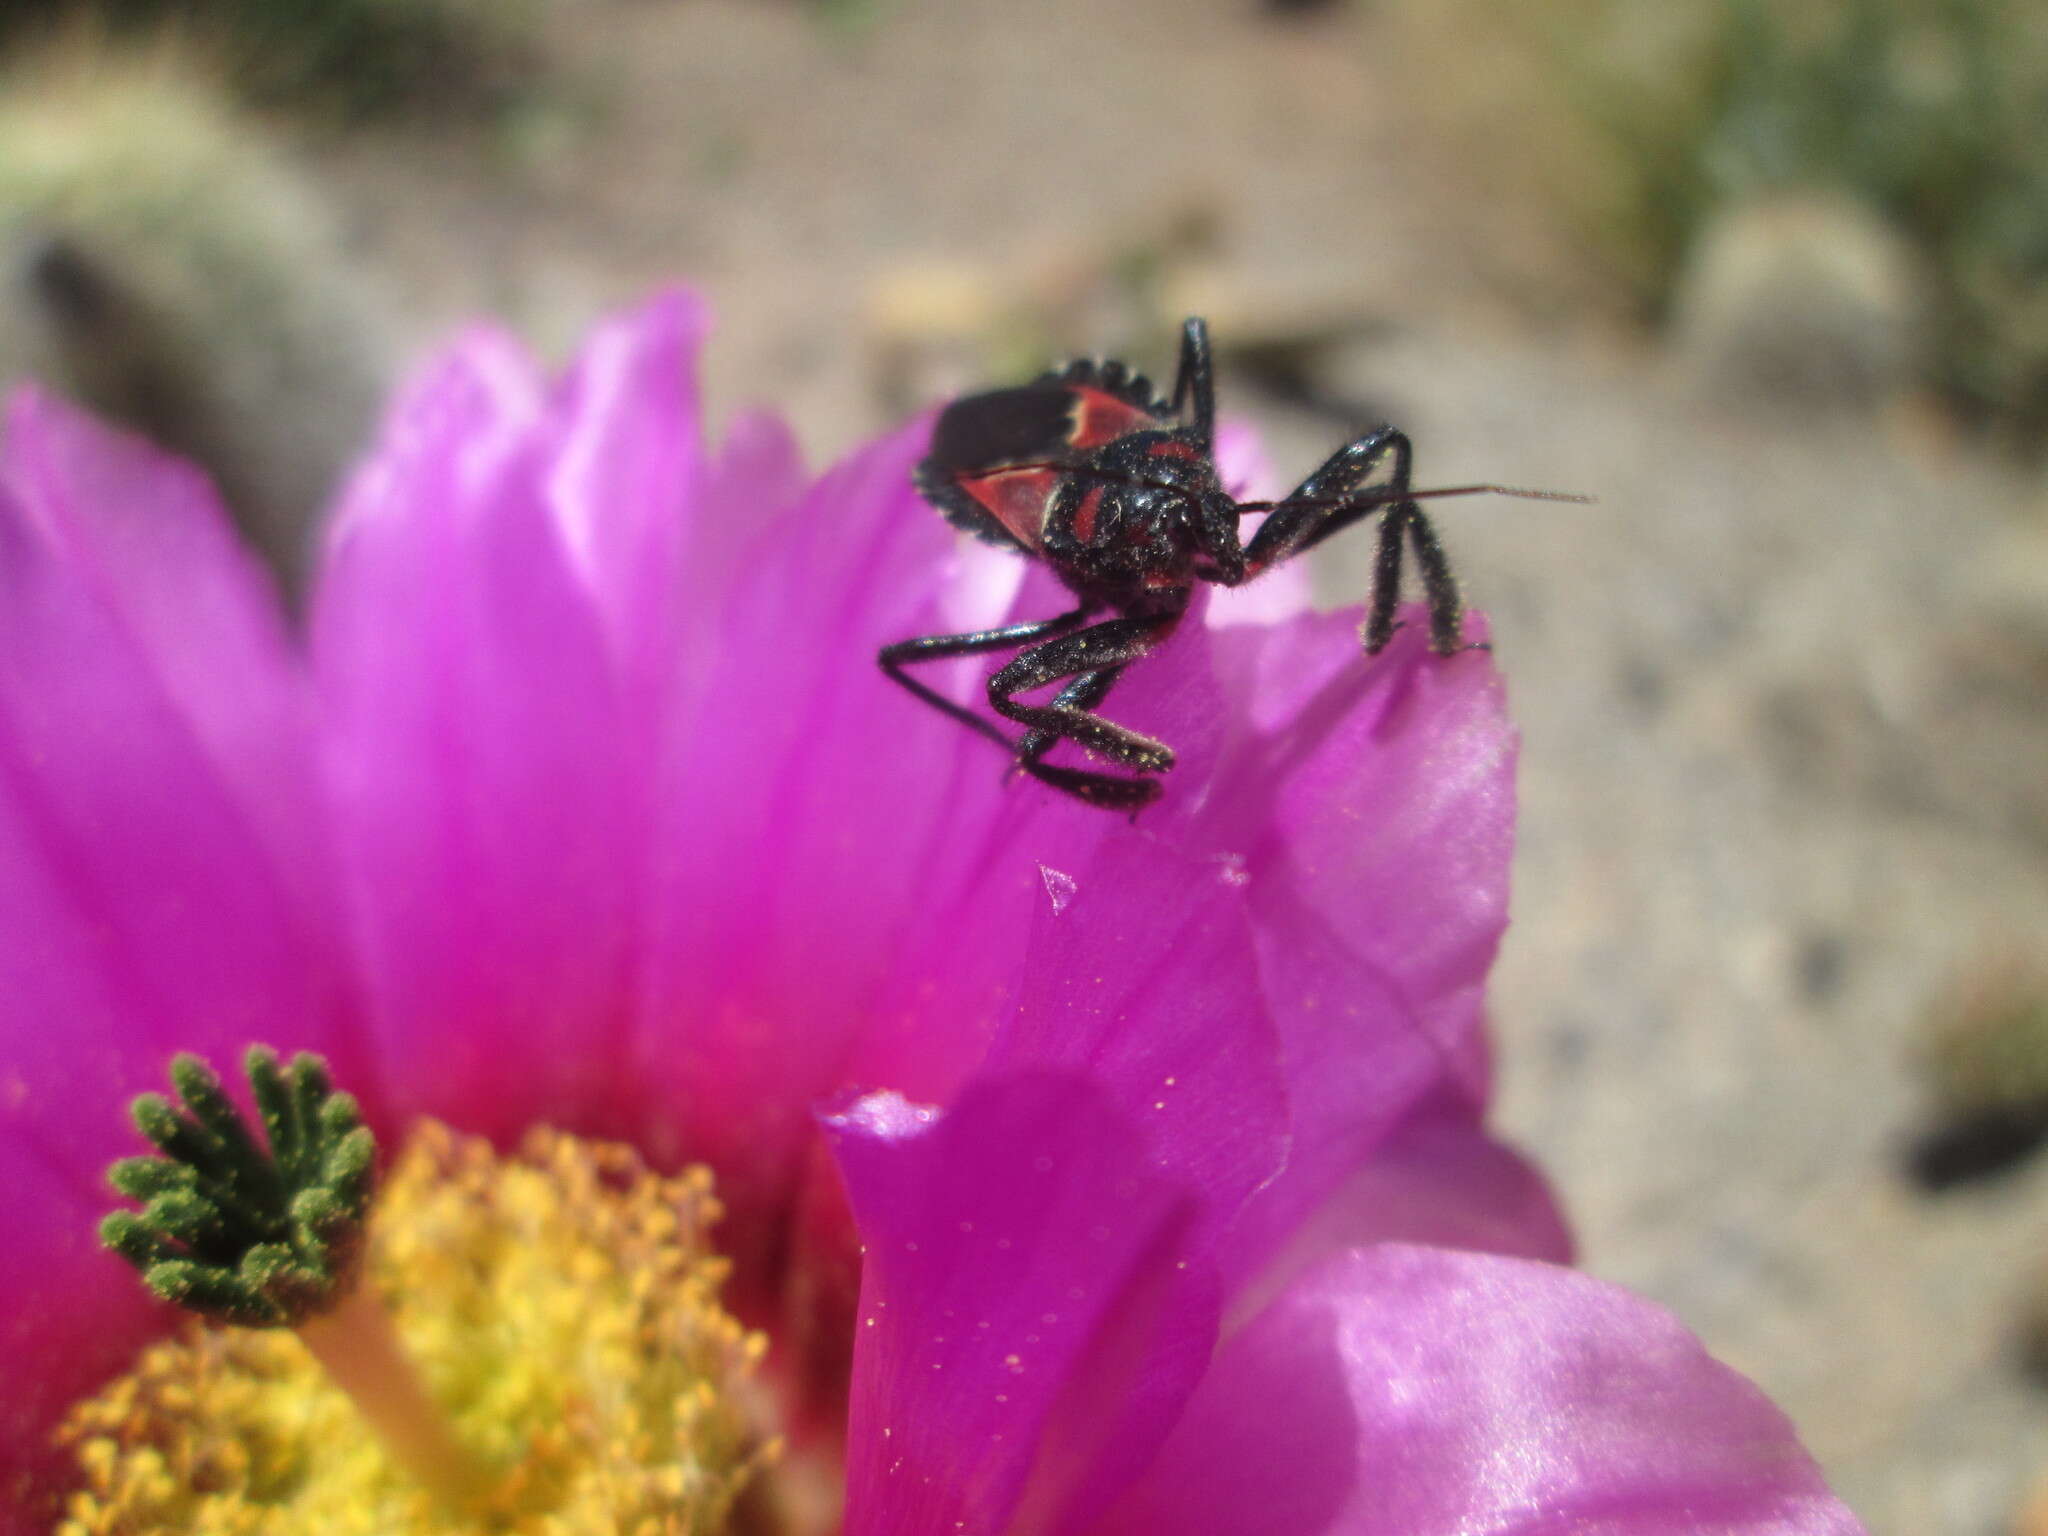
1768	279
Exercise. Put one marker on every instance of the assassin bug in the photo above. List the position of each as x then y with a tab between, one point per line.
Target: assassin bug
1087	469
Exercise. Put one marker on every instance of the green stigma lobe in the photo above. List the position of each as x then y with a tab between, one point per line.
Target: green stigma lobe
258	1234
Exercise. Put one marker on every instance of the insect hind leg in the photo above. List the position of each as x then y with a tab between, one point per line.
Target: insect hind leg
1094	657
1110	791
1084	692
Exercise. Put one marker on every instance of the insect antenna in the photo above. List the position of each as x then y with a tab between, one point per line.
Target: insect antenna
1372	495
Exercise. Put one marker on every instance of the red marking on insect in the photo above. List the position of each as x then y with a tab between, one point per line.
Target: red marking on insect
1017	498
1085	515
1101	418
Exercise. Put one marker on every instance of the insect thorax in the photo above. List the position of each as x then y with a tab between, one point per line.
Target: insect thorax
1124	522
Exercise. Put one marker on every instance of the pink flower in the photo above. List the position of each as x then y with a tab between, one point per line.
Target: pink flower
585	804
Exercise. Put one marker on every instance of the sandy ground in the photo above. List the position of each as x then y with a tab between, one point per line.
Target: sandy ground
1781	688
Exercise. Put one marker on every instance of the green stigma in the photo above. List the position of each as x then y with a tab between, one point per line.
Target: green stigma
231	1230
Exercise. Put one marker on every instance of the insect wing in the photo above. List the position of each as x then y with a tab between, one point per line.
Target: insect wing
996	457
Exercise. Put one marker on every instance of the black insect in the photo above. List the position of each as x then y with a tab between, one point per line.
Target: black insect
1116	489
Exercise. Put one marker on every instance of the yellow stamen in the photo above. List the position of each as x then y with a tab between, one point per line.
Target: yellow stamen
563	1313
356	1346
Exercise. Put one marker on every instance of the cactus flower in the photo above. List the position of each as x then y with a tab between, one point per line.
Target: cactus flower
1076	1175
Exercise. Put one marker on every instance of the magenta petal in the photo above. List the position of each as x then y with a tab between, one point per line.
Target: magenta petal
1396	1391
163	883
993	844
1375	799
1439	1179
1140	973
147	535
807	822
1283	591
155	732
70	1316
1095	948
480	765
144	907
756	473
631	450
1028	1322
1242	462
1393	800
627	482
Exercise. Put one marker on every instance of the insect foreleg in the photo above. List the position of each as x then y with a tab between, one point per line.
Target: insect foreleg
893	658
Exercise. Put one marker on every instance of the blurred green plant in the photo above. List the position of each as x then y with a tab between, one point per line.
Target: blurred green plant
353	58
1983	1064
163	261
1649	123
850	18
1985	1049
1931	112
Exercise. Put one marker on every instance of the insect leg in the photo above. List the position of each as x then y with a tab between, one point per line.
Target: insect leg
1105	647
1110	791
893	658
1196	377
1084	692
1329	501
1386	583
1439	587
1320	505
1107	790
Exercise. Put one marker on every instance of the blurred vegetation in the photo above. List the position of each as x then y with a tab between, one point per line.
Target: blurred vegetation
350	58
1983	1063
850	18
1987	1043
164	262
1929	112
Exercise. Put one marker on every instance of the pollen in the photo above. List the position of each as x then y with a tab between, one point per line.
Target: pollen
562	1307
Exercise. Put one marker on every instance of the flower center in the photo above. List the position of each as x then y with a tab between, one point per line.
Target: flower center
562	1308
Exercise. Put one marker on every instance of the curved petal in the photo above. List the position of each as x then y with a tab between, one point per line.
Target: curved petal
70	1316
655	521
146	534
1401	1391
1373	803
163	881
1141	975
480	764
145	904
1439	1179
627	467
1030	1320
1390	785
775	896
1098	947
821	829
984	887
